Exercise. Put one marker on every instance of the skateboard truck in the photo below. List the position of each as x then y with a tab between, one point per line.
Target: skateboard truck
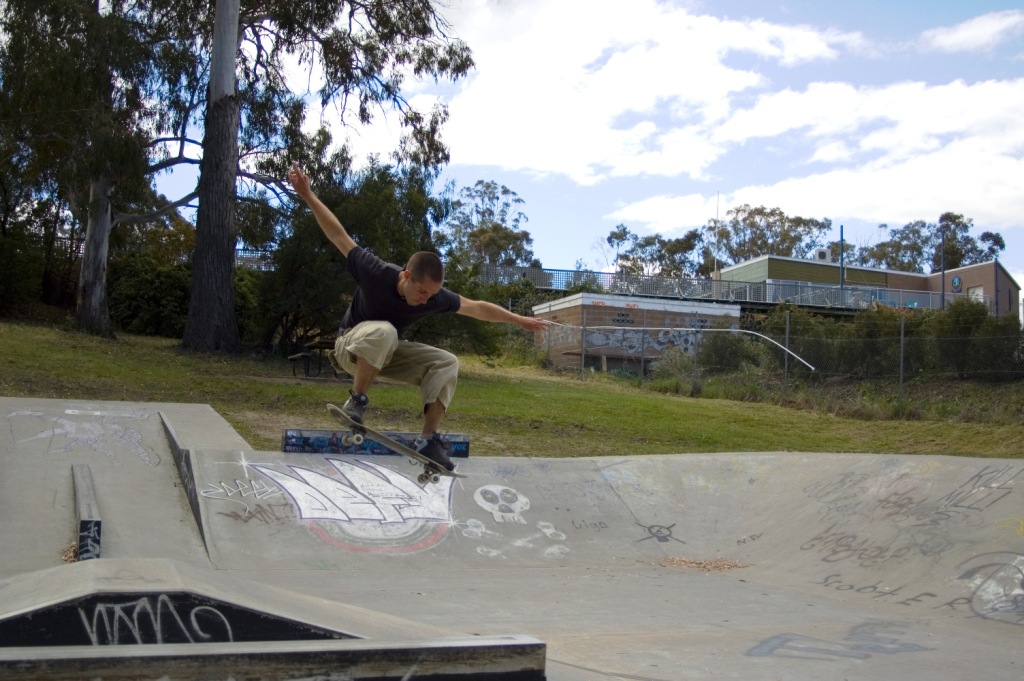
432	472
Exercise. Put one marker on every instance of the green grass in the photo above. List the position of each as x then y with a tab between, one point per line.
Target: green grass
507	411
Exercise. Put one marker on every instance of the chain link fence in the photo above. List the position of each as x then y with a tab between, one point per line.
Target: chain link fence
897	349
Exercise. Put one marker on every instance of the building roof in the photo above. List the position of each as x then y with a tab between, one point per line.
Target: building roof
870	269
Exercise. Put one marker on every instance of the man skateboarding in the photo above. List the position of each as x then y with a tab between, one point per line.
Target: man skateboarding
387	301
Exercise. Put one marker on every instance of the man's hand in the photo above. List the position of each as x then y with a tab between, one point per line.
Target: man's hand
532	323
489	312
299	182
327	220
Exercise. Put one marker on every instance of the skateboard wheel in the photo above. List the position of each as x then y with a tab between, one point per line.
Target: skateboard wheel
356	439
422	478
435	478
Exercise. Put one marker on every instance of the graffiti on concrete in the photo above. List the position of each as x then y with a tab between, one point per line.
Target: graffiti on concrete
239	491
862	642
158	618
360	505
105	433
504	503
153	620
89	539
996	581
548	540
360	491
637	341
905	519
663	533
878	522
508	506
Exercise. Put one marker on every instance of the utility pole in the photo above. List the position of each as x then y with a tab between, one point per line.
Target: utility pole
995	297
942	260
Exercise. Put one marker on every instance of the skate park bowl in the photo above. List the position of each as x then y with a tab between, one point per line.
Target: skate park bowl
201	558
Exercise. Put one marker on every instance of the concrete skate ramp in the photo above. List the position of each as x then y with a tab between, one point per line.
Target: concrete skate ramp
856	566
855	562
144	600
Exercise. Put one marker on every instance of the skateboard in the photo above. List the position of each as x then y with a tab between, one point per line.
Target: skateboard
431	471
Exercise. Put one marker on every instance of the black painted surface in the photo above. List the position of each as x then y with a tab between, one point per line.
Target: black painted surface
151	618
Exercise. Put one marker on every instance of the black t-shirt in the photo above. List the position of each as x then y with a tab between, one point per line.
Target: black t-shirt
377	299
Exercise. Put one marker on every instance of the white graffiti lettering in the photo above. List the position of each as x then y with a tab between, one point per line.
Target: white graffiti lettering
364	491
140	621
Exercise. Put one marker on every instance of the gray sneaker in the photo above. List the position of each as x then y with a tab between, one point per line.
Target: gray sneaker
436	450
355	406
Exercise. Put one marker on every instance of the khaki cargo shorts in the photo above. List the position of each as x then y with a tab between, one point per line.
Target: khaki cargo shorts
435	371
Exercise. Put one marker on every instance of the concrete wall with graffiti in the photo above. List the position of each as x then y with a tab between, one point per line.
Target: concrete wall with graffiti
619	330
916	533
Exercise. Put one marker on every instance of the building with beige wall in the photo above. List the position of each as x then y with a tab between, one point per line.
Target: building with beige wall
606	331
791	279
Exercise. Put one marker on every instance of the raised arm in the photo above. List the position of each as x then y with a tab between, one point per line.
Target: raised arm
327	220
489	312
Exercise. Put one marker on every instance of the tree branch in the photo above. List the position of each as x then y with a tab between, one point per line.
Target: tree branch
124	218
171	162
275	185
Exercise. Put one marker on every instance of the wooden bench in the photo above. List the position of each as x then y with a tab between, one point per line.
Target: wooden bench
315	348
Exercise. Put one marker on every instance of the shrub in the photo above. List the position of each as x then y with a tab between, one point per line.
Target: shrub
148	298
21	265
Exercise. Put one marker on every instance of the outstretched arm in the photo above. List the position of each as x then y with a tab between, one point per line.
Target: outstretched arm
489	312
327	220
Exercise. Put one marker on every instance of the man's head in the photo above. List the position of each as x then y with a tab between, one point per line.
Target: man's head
421	279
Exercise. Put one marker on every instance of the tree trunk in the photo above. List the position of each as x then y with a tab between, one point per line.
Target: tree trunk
211	324
91	311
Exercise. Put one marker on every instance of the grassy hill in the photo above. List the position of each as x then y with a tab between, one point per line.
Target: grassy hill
506	410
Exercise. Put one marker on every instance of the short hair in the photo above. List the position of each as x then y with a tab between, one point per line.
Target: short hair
426	266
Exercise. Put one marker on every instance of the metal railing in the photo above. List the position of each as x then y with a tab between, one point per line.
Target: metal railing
713	290
681	288
254	259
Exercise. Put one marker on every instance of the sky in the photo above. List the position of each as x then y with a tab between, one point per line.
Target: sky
663	115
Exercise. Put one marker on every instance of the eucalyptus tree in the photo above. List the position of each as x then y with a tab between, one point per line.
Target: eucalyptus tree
656	255
109	93
750	232
955	247
358	54
80	80
906	249
947	243
485	227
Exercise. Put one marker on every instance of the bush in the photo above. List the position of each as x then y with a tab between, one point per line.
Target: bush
247	304
148	298
719	351
21	265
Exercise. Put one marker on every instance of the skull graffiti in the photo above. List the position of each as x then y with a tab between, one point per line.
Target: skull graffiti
504	503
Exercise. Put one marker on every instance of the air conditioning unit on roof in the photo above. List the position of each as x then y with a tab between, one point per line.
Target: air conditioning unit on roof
822	255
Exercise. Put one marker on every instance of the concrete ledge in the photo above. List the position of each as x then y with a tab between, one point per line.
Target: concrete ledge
72	597
87	511
505	658
182	457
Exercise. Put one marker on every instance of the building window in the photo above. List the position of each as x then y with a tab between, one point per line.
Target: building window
976	293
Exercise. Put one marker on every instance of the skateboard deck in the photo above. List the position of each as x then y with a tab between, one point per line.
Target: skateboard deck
431	470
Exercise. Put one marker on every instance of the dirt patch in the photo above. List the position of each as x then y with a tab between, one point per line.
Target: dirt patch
713	565
264	430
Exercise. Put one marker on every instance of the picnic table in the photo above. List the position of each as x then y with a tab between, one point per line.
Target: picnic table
314	349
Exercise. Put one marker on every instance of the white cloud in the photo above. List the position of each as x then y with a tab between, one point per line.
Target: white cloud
668	214
623	93
978	34
584	90
960	177
832	152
